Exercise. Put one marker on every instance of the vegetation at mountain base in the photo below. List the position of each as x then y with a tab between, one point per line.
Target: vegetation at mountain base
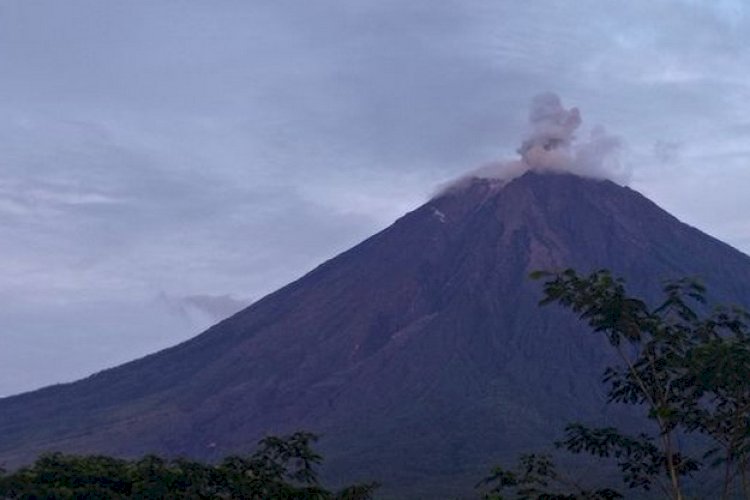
687	368
281	468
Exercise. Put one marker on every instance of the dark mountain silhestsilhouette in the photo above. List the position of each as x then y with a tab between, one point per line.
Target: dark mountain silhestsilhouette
421	354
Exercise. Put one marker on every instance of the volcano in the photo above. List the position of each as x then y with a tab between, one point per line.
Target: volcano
420	355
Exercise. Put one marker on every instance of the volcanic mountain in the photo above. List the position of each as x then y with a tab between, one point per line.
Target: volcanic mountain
421	354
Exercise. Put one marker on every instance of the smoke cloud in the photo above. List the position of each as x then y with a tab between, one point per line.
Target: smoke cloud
551	145
552	133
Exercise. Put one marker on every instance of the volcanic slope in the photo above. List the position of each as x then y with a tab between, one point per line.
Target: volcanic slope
420	354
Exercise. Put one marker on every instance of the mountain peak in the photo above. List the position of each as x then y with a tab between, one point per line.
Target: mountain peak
478	189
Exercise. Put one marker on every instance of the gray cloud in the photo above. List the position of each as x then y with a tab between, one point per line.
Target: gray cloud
216	306
203	310
667	152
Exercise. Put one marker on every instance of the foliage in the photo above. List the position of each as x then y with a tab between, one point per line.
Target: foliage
281	468
537	478
689	370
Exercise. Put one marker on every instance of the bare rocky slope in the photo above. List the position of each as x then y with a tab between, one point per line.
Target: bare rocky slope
420	354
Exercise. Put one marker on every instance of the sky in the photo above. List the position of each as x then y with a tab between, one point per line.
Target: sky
163	164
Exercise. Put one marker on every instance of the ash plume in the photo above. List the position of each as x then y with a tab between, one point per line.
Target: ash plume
552	133
551	145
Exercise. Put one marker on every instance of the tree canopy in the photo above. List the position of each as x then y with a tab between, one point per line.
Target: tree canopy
281	468
686	367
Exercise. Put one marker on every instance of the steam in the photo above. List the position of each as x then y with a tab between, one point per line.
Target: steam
551	145
552	133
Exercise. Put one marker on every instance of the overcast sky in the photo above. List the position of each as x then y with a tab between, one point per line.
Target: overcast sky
164	163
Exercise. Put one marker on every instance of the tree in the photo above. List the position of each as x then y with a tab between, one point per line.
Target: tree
281	468
689	370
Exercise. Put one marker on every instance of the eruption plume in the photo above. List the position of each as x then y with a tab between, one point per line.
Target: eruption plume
551	146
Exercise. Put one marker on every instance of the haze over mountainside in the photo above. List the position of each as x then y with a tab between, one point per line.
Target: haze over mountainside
421	354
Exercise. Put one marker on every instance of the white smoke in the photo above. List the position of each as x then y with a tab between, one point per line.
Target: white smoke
551	145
